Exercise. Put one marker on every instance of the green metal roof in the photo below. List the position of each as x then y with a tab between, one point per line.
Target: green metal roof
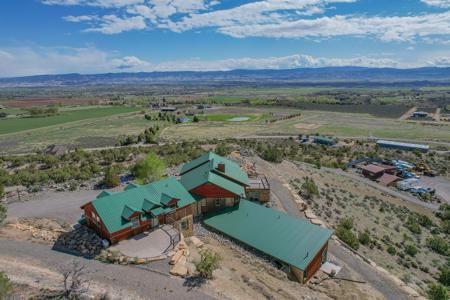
161	210
111	207
127	212
232	169
205	169
202	174
291	240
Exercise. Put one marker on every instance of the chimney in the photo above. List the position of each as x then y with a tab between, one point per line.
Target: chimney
221	167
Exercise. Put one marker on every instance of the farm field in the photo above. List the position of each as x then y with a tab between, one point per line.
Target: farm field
12	125
89	133
311	122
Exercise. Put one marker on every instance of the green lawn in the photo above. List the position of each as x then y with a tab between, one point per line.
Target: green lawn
227	117
20	124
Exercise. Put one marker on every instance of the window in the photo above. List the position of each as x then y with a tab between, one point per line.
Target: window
253	195
184	225
217	202
135	222
203	202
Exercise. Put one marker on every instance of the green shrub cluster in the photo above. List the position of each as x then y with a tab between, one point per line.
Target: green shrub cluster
345	233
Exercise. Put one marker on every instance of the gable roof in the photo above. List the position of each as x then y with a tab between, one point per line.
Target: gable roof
203	174
232	169
114	208
288	239
205	169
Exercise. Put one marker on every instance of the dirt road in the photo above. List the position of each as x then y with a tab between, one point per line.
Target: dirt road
367	273
124	282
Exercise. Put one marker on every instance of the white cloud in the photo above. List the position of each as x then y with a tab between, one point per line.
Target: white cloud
58	60
404	28
438	3
99	3
77	19
111	24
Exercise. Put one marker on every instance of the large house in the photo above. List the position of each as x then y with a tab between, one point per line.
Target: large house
214	181
117	216
216	189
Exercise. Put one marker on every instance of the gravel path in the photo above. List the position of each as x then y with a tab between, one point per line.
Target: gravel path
135	282
378	281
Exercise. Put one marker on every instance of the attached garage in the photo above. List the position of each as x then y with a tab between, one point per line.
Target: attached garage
292	241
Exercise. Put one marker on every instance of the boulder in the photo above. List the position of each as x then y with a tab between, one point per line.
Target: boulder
197	243
179	270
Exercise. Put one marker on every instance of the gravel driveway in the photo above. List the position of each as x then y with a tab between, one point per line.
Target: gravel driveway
63	205
132	281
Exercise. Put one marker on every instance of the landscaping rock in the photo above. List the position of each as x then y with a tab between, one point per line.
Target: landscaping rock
197	243
179	270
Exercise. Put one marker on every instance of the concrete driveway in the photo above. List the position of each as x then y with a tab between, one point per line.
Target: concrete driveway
146	245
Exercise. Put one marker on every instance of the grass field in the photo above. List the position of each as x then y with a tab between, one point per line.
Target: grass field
12	125
311	122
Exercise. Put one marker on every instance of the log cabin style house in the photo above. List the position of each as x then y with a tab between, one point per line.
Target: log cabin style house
216	189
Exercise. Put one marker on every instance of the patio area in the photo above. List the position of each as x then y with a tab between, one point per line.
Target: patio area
149	244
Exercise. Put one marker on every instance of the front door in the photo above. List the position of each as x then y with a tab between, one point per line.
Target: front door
155	222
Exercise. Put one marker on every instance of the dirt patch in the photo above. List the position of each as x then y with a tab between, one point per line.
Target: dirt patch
306	126
35	229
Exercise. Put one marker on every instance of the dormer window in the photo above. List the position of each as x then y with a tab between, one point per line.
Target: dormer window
135	222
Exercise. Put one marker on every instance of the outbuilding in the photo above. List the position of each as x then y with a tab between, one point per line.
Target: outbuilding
403	146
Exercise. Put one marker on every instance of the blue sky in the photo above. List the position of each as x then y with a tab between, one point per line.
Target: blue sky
93	36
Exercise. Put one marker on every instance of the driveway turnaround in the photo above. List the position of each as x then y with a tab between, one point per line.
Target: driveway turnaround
145	245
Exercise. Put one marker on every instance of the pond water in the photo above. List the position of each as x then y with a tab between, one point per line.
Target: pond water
239	119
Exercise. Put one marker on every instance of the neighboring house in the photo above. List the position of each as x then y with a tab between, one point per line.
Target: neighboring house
117	216
292	241
55	150
214	181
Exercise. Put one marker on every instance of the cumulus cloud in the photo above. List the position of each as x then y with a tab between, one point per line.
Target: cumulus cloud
111	24
437	3
26	61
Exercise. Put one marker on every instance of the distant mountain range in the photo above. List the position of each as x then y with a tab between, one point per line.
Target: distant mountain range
301	76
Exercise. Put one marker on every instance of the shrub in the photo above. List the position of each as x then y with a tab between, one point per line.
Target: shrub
223	149
411	250
437	292
444	277
446	226
344	232
438	245
196	119
209	262
6	287
309	188
3	213
112	178
413	225
391	250
149	169
364	237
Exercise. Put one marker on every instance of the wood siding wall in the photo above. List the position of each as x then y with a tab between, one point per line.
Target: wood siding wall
98	227
316	263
